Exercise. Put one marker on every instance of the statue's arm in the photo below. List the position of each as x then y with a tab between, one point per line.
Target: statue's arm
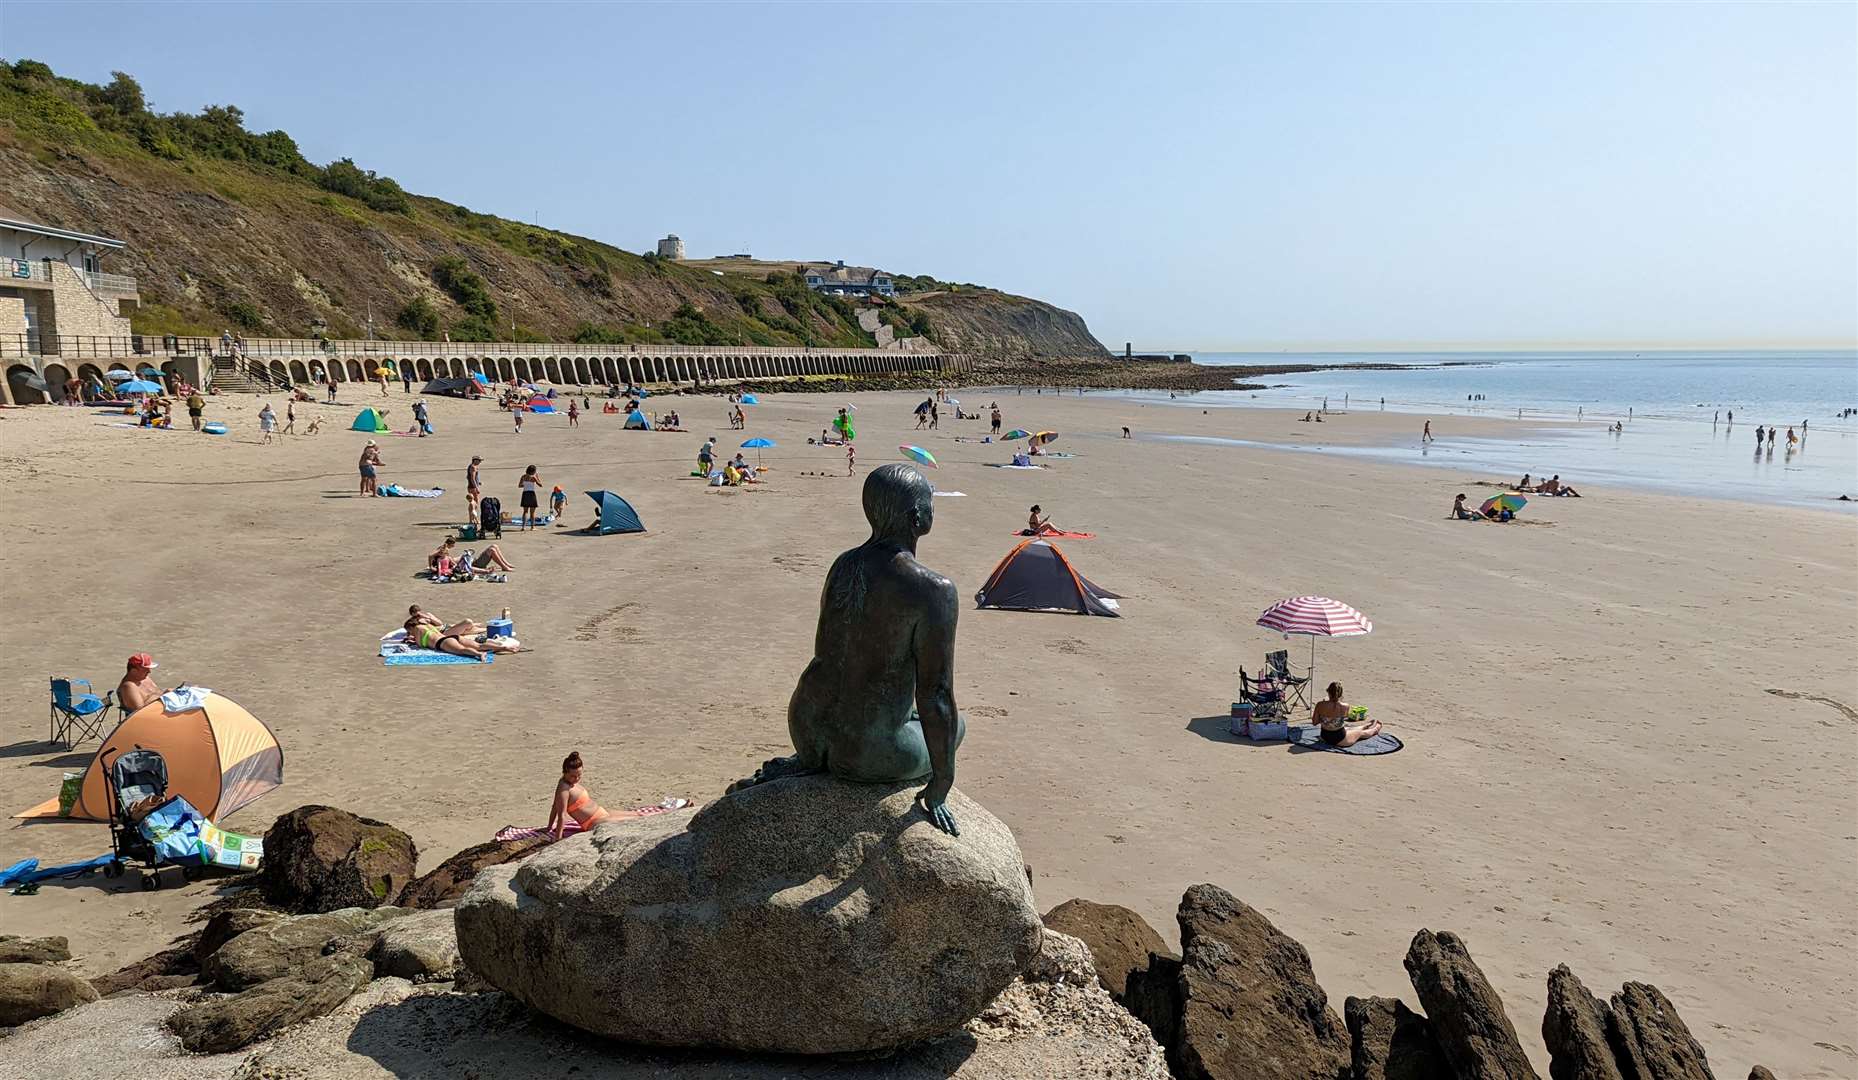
935	696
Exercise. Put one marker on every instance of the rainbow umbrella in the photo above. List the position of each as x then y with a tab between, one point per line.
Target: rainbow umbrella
919	455
1016	433
1509	500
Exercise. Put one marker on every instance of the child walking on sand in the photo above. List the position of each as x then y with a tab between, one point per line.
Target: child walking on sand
519	420
557	503
851	458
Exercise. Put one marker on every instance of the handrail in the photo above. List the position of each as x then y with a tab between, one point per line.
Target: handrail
87	345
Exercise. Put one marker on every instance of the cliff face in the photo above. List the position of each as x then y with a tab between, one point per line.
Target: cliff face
998	326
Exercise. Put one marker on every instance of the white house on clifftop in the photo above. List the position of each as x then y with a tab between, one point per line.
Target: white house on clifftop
838	279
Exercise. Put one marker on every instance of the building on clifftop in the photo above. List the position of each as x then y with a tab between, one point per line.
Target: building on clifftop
671	248
838	279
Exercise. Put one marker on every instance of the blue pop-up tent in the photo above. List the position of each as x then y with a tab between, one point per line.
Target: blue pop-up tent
616	514
635	421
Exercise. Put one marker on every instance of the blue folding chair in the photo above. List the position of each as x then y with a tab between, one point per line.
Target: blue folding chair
81	715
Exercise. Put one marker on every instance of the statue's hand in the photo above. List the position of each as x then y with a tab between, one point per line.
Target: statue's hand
934	801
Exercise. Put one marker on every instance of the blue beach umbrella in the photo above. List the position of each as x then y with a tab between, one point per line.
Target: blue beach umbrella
750	399
757	444
139	386
483	379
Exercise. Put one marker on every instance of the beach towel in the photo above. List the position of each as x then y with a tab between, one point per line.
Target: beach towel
183	698
398	492
395	652
1059	535
517	832
1384	743
951	494
993	465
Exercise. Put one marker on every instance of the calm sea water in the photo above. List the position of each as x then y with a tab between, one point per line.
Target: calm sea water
1679	436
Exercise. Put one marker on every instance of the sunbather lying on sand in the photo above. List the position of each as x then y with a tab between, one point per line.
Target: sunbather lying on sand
483	560
1554	486
427	631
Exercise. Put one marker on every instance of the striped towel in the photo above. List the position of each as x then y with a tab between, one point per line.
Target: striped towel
516	832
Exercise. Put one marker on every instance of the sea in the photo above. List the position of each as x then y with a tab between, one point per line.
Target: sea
1689	418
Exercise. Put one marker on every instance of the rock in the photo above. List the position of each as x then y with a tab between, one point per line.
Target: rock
29	991
171	967
809	915
421	947
1153	995
446	882
1250	1008
230	923
275	949
1061	959
1760	1073
1388	1041
311	989
1649	1039
1119	939
319	858
1467	1015
1574	1028
42	950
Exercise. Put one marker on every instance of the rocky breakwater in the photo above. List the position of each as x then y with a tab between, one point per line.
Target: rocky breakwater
807	915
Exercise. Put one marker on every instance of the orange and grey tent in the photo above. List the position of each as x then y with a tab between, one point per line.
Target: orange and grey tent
1036	576
219	758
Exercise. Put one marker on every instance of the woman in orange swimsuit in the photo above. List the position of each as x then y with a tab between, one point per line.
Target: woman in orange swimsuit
572	800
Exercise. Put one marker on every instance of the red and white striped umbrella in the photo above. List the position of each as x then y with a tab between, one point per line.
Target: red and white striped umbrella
1315	615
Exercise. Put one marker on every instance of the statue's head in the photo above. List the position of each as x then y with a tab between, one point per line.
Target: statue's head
899	502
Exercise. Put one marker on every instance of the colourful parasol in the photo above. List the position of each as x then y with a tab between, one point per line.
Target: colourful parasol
1509	500
918	454
1016	433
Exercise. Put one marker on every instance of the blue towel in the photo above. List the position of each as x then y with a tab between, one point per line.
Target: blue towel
424	657
26	871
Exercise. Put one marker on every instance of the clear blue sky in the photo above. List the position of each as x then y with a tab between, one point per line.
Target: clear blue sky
1194	176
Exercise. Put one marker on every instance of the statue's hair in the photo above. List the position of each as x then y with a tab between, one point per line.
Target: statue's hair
891	493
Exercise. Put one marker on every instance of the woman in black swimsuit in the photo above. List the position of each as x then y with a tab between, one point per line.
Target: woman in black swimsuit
1332	714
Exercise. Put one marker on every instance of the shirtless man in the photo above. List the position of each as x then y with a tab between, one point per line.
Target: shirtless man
885	643
138	688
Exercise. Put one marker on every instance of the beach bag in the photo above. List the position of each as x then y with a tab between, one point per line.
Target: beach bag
489	516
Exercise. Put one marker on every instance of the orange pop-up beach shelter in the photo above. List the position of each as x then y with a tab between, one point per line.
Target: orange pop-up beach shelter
219	758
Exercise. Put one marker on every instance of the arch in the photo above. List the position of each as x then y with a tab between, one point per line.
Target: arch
505	371
354	371
580	370
90	375
55	376
299	373
522	369
22	394
551	370
607	369
279	371
317	374
473	363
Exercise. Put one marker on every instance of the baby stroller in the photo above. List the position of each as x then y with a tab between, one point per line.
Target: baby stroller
138	778
489	518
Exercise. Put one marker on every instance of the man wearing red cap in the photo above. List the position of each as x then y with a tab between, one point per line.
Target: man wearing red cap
138	688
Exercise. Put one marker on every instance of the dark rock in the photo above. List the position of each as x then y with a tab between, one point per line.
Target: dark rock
446	882
42	950
319	858
1760	1073
1250	1006
230	923
29	991
169	968
1467	1015
1119	939
808	915
275	949
1153	995
315	988
1388	1041
1574	1028
1649	1039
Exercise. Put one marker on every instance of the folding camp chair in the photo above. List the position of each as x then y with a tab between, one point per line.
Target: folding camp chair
1277	664
1265	693
80	714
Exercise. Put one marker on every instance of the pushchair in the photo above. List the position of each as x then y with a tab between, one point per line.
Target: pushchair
138	779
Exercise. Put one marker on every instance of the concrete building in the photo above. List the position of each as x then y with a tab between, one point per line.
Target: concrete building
671	248
58	308
838	279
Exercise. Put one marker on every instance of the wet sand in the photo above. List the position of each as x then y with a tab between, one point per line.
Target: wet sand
1596	771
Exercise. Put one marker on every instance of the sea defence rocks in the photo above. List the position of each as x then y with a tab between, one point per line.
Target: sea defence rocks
441	886
1574	1029
29	991
23	950
1467	1015
808	915
1245	1004
1650	1041
319	858
1120	941
277	948
1388	1041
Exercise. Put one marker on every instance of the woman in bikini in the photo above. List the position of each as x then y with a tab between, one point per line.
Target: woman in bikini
573	801
1036	525
1333	716
427	631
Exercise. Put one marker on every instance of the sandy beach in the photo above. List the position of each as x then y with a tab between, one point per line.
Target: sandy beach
1630	737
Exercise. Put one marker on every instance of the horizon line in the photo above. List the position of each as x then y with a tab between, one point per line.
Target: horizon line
1405	349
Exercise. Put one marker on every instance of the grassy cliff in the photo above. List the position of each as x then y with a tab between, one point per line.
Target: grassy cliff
229	228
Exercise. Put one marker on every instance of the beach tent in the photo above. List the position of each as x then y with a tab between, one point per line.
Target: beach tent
369	420
1036	576
616	514
540	405
635	421
464	388
219	758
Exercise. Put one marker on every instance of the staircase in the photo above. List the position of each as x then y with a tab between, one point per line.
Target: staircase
230	376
